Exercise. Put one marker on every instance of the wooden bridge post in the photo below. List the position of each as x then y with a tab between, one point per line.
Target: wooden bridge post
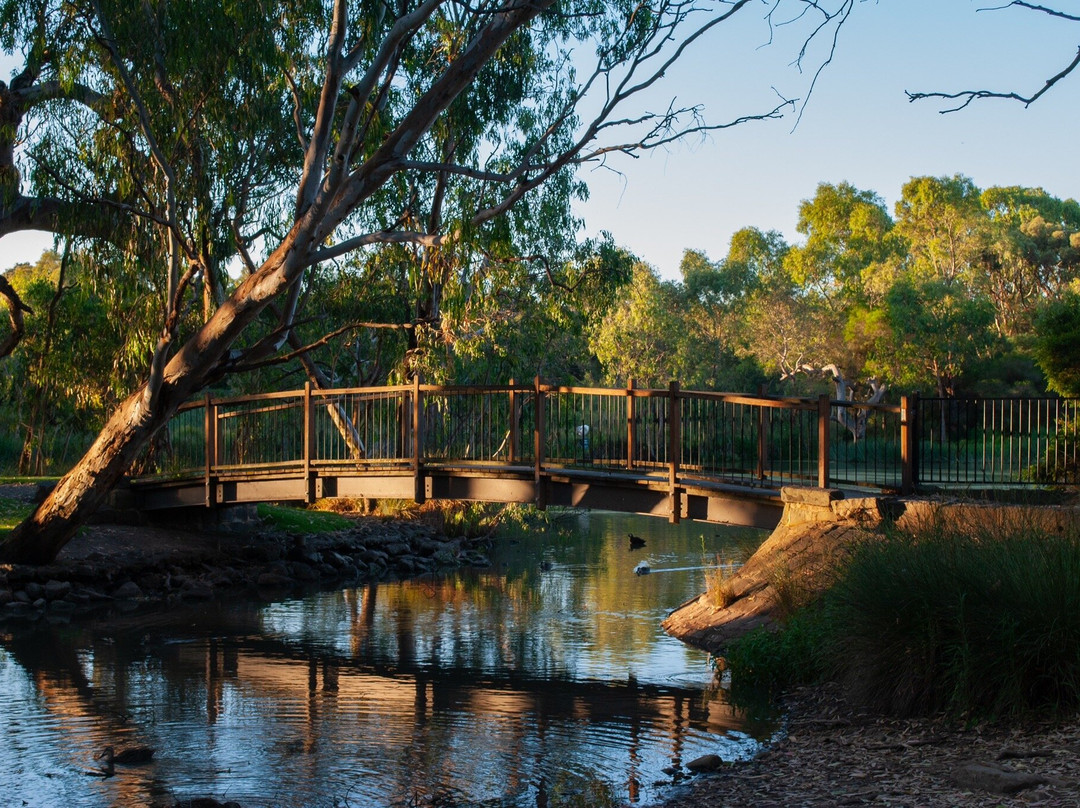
515	406
539	439
824	410
674	450
631	424
309	432
210	432
909	429
419	494
762	437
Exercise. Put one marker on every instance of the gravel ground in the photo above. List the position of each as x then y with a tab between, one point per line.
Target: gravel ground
834	756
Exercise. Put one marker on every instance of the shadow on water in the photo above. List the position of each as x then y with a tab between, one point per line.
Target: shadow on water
542	681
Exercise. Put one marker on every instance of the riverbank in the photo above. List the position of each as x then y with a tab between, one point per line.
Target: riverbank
131	564
834	752
834	755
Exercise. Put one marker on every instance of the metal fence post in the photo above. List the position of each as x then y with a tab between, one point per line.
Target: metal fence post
823	411
631	424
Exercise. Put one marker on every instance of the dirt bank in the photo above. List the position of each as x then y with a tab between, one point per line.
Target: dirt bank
817	531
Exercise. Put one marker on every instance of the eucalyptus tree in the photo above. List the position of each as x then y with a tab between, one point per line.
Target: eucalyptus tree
807	322
283	135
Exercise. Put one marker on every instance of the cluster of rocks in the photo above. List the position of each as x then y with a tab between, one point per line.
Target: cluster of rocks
241	564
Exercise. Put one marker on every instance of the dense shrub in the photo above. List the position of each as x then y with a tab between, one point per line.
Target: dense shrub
975	623
980	623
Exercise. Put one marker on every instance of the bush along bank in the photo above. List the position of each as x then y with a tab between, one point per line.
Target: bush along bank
978	619
128	568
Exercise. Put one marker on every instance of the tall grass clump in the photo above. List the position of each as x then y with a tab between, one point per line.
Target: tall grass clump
767	661
981	622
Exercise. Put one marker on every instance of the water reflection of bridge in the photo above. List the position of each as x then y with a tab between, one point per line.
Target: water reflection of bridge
670	452
366	696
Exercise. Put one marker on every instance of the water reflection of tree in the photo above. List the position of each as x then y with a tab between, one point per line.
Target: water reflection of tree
388	682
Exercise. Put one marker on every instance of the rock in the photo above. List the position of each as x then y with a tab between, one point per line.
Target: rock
705	763
987	777
396	549
55	590
127	590
821	497
151	582
6	597
328	571
302	572
22	597
35	590
337	559
40	603
61	606
274	579
198	591
444	558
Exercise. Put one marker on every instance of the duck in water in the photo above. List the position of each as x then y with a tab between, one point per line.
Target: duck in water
128	756
636	542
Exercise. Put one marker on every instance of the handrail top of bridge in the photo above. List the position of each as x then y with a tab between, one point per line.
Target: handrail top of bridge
747	399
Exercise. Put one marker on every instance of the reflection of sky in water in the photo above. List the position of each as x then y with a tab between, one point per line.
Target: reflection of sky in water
494	684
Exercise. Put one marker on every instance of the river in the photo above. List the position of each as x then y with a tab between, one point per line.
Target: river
542	681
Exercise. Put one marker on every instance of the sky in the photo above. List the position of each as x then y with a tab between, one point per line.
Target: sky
857	126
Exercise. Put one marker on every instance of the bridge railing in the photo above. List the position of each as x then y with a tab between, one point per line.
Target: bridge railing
672	435
998	441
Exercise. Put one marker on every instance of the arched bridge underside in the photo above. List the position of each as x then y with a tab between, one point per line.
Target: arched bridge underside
633	493
673	453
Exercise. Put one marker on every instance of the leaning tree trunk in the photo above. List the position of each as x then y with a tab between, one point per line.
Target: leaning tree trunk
83	489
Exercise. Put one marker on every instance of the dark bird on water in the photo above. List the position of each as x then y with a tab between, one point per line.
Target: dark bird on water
636	542
128	756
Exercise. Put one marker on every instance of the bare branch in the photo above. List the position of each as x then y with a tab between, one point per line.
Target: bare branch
323	340
968	96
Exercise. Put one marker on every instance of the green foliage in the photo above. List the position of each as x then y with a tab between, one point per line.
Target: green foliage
980	622
12	511
302	520
765	662
1057	343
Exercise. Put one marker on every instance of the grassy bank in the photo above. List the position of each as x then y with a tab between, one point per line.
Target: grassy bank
976	623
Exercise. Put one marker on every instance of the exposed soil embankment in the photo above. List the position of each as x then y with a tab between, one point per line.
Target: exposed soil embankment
818	529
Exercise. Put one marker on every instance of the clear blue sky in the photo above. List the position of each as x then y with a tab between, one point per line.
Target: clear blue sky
858	126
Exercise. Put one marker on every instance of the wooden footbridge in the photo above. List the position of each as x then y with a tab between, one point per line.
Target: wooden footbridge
670	452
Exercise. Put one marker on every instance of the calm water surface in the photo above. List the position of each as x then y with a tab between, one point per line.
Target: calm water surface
525	684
